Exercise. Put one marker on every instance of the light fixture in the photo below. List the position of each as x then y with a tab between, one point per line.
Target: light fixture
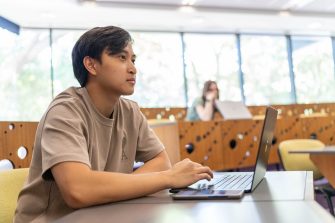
188	2
89	3
284	13
186	9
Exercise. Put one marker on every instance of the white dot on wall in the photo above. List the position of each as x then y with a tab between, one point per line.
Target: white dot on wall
11	126
172	118
240	136
6	164
247	153
22	152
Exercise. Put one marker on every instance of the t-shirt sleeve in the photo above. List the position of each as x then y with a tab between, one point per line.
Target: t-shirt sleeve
192	114
148	145
63	138
197	101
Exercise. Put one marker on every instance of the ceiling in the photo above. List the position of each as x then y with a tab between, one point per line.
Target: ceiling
245	16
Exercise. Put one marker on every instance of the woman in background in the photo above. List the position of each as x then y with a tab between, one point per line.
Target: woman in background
203	107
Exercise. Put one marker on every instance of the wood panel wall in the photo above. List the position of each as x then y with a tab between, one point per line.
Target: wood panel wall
168	134
284	110
14	135
220	144
165	113
225	145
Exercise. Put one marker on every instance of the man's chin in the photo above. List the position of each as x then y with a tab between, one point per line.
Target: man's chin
127	93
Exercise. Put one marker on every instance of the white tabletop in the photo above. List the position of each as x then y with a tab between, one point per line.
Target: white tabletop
325	150
281	197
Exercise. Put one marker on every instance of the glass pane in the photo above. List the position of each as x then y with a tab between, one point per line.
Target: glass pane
25	88
265	69
212	57
314	69
62	45
159	70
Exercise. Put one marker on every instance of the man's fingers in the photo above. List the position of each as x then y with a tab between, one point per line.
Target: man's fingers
204	176
198	165
204	169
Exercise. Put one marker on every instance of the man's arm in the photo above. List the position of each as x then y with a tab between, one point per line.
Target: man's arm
158	163
82	187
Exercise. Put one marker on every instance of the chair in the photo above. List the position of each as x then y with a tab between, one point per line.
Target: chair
11	182
293	162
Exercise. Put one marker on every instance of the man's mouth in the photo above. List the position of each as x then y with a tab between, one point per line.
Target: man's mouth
131	80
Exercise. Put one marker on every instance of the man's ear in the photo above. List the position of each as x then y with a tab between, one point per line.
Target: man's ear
89	64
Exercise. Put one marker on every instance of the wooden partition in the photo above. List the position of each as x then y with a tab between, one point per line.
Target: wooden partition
297	109
165	113
14	137
322	128
21	135
179	113
200	141
167	132
224	145
221	145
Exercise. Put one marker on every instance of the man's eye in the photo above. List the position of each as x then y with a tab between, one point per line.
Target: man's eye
133	61
122	57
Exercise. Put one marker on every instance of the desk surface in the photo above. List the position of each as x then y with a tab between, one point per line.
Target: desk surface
276	186
326	150
324	160
272	201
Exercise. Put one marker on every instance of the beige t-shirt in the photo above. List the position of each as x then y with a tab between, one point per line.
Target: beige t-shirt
72	129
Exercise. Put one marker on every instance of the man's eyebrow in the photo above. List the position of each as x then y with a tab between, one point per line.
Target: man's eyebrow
126	52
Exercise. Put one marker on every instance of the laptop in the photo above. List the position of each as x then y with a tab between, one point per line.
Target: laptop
232	110
244	181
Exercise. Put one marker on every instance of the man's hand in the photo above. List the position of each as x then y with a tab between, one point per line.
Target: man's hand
186	172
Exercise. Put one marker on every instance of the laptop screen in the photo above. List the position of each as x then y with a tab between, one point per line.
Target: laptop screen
233	110
264	146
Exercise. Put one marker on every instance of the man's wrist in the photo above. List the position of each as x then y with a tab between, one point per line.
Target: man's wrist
166	176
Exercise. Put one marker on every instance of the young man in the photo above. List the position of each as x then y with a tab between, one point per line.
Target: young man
89	138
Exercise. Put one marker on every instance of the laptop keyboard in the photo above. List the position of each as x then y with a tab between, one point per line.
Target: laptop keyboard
228	182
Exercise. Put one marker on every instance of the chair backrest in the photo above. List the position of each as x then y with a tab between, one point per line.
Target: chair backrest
291	161
16	142
11	182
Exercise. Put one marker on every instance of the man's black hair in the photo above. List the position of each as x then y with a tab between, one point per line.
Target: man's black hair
92	43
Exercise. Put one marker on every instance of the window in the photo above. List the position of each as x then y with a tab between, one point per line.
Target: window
314	69
62	45
26	85
25	88
266	71
212	57
159	70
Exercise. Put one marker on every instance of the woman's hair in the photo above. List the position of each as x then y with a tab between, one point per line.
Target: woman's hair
207	85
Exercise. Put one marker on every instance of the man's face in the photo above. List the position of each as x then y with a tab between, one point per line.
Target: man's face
117	73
